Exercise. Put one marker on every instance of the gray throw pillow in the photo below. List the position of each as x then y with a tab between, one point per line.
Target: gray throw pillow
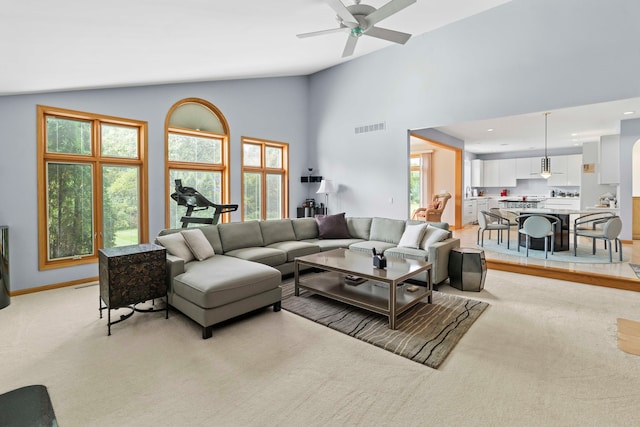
176	245
332	226
198	243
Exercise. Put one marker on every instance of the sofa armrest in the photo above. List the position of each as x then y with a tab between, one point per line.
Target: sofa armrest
175	266
439	257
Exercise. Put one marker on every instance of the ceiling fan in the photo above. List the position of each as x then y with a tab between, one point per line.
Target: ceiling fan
360	19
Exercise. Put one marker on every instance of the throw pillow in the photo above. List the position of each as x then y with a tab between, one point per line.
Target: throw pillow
198	243
412	236
433	235
332	226
176	246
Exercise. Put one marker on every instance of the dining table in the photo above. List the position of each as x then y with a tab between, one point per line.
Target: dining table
562	229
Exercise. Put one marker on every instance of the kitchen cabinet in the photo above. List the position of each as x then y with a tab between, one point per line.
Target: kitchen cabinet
565	170
528	168
469	212
477	173
609	157
499	173
482	205
574	170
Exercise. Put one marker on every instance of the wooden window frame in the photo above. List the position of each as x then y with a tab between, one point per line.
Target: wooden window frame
264	171
223	167
96	160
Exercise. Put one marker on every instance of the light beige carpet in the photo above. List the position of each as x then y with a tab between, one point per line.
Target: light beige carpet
543	354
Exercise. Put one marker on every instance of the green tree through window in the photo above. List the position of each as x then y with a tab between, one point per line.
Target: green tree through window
92	177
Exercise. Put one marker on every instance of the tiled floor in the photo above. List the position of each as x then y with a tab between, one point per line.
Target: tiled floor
468	237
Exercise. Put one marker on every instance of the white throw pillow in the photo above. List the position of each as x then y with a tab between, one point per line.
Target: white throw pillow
433	235
176	246
198	243
412	236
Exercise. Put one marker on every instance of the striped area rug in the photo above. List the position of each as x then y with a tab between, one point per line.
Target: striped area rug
425	334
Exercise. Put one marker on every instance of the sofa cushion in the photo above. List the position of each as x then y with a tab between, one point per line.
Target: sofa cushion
330	244
359	228
198	243
412	236
332	226
176	245
433	235
221	279
305	228
212	235
268	256
295	249
387	230
368	246
408	253
236	235
277	230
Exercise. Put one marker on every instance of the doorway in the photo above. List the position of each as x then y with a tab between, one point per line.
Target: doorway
441	169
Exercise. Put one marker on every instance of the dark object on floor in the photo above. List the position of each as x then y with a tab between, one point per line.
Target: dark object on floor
27	406
467	269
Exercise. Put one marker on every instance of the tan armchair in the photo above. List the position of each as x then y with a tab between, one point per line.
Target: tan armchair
433	212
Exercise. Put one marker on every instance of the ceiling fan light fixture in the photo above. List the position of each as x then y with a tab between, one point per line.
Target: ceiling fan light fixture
545	163
357	31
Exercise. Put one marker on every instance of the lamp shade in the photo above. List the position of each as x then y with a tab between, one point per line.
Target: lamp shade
326	187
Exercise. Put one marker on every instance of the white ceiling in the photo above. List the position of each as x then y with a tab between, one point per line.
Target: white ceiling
566	128
72	44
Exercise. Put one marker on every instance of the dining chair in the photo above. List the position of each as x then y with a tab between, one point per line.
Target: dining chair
538	226
609	232
489	221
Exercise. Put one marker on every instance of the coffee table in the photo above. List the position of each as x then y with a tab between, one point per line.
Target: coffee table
381	292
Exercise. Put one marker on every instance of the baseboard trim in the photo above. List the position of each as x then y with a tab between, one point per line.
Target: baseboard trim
567	275
53	286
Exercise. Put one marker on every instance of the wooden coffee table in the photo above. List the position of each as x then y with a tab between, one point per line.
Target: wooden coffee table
381	292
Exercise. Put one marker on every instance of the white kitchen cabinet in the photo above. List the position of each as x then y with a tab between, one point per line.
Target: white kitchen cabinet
574	169
507	173
482	205
558	171
565	170
477	173
528	168
469	212
491	170
499	173
609	168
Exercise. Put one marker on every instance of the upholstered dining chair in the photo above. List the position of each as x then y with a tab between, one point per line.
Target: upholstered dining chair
506	214
609	231
488	221
538	226
433	212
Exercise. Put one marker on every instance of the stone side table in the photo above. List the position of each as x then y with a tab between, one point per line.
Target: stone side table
467	269
130	275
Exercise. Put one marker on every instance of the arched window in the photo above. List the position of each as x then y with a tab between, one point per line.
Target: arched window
197	153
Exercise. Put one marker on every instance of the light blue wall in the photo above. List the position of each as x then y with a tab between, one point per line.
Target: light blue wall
522	57
274	109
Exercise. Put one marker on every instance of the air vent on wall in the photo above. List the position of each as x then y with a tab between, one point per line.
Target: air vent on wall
371	128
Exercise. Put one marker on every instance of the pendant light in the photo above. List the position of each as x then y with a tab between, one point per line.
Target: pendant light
546	161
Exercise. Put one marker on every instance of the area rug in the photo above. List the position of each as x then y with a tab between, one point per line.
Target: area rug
425	334
584	252
636	269
27	406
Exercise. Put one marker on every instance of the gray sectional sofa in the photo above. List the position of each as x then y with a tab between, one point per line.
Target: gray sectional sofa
250	258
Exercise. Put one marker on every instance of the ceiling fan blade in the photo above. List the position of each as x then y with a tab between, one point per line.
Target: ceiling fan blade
389	35
387	10
350	47
341	10
322	32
